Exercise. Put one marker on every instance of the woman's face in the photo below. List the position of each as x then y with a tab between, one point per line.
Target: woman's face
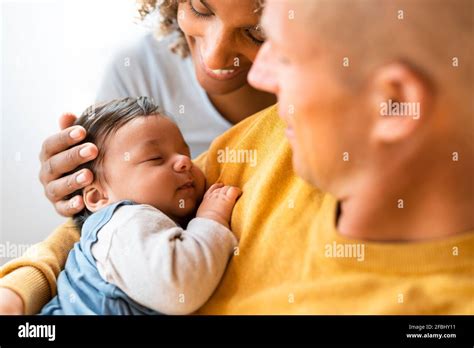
223	38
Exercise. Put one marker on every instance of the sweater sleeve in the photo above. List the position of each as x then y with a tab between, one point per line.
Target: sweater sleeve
160	265
33	276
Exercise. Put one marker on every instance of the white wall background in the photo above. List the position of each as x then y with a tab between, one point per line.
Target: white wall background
52	56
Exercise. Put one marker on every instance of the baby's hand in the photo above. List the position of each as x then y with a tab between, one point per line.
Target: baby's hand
218	203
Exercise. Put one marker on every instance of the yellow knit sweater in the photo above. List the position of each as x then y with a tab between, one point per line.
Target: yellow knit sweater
290	260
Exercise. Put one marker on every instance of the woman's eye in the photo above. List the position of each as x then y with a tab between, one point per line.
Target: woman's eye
256	34
201	12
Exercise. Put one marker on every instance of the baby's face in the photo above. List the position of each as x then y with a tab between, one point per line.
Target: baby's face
148	162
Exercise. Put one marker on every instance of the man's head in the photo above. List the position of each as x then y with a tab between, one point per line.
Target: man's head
142	157
369	89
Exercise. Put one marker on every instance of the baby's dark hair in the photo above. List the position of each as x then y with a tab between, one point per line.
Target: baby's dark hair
102	120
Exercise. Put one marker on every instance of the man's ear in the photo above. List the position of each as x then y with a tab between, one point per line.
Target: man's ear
401	100
95	197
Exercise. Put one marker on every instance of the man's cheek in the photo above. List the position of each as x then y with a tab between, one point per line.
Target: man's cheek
288	104
295	99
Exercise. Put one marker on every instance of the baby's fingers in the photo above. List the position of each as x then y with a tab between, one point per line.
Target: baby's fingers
212	189
233	193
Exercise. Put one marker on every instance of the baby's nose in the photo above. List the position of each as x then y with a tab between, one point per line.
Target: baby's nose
183	163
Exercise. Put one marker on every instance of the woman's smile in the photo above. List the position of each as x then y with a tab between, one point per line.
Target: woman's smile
220	74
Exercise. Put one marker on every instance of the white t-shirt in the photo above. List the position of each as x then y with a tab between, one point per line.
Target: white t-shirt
148	68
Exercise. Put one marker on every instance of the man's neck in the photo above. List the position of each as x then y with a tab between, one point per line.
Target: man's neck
428	209
242	103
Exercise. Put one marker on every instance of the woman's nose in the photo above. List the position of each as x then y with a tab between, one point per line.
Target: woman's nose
182	164
218	51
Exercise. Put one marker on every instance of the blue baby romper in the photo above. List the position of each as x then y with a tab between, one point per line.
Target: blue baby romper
81	289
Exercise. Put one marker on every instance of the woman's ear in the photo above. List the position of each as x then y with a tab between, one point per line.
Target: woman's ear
95	197
401	99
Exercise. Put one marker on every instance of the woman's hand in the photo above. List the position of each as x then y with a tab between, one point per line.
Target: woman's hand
10	303
57	159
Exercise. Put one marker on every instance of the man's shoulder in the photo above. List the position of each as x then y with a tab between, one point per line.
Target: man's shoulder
253	145
260	128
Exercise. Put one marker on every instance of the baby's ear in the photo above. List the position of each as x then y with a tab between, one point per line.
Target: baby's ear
95	197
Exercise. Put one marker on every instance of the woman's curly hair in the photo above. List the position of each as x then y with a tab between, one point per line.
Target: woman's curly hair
168	20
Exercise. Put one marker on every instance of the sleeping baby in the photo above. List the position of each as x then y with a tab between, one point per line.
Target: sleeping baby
151	241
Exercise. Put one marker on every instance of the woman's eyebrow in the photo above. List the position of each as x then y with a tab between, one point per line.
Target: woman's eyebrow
210	8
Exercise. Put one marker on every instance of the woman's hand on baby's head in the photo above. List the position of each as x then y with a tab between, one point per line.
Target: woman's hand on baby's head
58	158
218	203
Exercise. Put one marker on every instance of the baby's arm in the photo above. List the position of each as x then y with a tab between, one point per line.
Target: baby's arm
162	266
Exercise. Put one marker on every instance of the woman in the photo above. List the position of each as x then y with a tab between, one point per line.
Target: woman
215	42
203	85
